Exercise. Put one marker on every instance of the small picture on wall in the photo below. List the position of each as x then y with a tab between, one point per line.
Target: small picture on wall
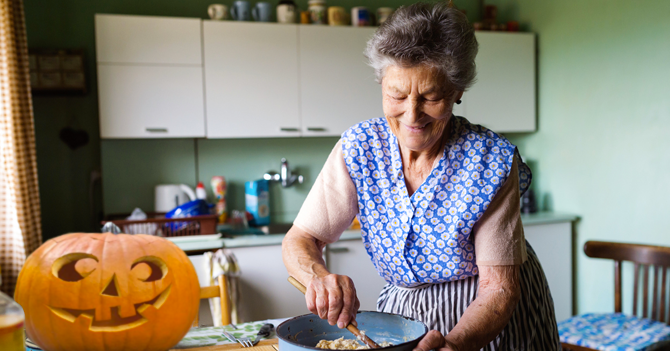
57	71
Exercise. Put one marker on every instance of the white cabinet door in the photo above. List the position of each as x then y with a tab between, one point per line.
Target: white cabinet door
145	101
147	40
337	87
350	258
264	289
503	98
251	82
552	242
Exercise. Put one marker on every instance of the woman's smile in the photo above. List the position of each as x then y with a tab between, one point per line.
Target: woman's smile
416	128
417	106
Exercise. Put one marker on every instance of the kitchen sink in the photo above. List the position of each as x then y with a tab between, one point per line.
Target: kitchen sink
276	228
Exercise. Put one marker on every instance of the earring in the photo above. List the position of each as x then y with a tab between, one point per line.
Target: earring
458	101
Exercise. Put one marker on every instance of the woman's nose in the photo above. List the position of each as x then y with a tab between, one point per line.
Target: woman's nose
413	111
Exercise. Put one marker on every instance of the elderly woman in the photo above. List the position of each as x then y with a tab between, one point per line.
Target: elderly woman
437	198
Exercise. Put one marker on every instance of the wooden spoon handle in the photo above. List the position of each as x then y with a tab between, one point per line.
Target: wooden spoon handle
350	327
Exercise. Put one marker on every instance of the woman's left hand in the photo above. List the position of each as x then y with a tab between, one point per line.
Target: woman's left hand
434	340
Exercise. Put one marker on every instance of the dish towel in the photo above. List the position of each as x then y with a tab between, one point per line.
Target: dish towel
209	336
223	261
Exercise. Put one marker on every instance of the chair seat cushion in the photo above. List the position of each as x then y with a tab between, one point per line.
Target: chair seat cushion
613	332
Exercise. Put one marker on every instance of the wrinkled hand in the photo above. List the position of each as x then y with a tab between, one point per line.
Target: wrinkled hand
435	341
333	297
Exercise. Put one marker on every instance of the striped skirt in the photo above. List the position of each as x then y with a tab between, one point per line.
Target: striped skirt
440	306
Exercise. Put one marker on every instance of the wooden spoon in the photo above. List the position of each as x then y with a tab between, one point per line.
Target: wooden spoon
352	328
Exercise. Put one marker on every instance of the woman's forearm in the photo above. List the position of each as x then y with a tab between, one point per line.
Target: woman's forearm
498	295
303	255
330	296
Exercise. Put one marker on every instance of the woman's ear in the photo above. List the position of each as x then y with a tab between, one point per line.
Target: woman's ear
459	95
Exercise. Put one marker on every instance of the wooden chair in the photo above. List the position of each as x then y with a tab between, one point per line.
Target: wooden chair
645	258
220	291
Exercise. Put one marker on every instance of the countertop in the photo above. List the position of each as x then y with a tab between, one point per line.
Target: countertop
196	245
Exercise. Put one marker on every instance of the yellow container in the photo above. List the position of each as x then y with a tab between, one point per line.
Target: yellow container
12	335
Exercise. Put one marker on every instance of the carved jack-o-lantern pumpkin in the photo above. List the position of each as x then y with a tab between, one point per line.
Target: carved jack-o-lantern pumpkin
108	292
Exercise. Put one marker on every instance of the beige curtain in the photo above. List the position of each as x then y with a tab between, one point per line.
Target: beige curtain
20	229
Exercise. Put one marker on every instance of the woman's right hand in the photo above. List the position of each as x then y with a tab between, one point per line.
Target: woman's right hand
333	297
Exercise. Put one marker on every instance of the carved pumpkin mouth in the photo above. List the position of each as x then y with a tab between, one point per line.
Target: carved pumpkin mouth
116	322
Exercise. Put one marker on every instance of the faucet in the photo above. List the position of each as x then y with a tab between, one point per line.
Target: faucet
284	176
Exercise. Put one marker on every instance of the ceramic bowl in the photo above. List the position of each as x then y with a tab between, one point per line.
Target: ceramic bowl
304	332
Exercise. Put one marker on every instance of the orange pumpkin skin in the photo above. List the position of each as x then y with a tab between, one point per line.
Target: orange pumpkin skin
105	292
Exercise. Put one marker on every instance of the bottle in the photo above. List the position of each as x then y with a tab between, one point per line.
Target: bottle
200	192
11	325
219	188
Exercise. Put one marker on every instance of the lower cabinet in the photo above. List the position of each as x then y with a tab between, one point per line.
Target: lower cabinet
349	257
265	292
552	242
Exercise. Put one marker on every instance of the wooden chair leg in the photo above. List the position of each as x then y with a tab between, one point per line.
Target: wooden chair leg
225	300
196	321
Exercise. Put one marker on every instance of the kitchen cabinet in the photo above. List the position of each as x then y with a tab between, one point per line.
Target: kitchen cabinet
270	80
349	257
552	242
164	77
337	87
265	293
504	96
264	289
251	79
150	82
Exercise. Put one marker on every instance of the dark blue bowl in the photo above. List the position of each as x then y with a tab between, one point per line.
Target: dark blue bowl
304	332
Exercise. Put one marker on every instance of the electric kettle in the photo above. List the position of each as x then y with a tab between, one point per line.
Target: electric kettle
169	196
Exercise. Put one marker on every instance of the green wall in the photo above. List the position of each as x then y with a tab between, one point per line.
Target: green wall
604	120
600	150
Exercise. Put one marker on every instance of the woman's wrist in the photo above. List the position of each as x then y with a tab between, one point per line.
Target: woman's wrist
451	345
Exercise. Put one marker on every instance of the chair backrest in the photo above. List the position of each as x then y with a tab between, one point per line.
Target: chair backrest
646	258
220	291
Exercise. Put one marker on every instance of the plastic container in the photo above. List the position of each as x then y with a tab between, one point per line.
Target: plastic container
200	192
12	335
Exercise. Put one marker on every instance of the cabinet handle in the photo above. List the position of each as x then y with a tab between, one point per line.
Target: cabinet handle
156	130
338	249
286	129
316	129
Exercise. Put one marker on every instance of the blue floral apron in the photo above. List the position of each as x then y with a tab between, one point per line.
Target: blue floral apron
426	237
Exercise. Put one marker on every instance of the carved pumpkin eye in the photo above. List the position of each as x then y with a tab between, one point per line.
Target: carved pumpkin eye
149	269
74	266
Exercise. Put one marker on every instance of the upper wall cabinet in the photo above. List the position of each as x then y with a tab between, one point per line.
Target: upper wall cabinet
150	82
337	87
158	77
278	80
503	98
251	79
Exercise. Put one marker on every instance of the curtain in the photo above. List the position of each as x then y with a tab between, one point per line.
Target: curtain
20	228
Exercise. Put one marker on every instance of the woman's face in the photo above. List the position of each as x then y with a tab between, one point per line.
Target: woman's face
417	104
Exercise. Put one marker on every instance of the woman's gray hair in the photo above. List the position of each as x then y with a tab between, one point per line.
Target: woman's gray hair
432	34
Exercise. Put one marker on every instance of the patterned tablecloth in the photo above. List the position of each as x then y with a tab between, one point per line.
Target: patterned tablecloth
208	336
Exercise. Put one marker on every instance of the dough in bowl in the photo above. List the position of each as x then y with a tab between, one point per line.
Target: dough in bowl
346	344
